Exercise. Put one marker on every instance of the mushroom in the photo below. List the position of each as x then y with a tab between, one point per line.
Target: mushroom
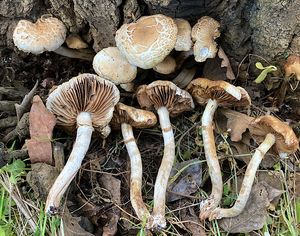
127	117
183	41
269	132
74	41
110	64
214	94
167	66
292	66
168	100
203	34
46	34
86	102
148	41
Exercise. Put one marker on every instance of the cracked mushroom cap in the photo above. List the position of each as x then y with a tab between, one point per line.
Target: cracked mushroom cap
183	41
46	34
137	118
203	34
292	66
84	93
226	94
148	41
286	140
110	64
164	93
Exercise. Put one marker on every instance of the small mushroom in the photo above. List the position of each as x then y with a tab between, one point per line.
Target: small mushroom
292	66
214	94
148	41
127	117
74	41
269	132
110	64
46	34
203	34
168	100
167	66
86	102
183	41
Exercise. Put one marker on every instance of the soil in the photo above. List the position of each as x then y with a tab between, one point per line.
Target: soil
251	31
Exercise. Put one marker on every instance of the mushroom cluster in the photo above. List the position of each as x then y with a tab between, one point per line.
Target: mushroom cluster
89	103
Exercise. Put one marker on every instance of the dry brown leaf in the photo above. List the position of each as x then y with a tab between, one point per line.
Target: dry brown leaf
237	123
41	124
192	222
225	63
255	214
70	226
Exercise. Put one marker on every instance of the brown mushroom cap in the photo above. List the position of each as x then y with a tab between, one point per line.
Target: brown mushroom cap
286	140
184	40
137	118
167	66
110	64
164	93
292	66
203	34
203	89
47	34
74	41
148	41
84	93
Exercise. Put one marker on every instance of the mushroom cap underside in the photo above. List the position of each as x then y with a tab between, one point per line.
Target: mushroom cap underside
84	93
164	93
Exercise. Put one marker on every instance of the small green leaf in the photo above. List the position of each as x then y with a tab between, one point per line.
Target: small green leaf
259	65
298	210
264	73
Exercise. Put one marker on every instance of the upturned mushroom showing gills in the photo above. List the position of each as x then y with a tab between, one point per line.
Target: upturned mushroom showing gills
214	94
268	131
127	117
203	34
168	100
292	66
86	102
148	41
46	34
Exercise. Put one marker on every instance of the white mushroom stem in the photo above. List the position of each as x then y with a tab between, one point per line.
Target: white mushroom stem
81	145
157	219
248	180
136	173
73	53
212	160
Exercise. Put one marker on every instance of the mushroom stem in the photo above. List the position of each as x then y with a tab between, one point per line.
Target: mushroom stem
248	180
135	174
157	219
71	53
212	160
81	145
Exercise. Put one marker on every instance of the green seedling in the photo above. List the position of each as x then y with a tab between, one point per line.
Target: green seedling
264	73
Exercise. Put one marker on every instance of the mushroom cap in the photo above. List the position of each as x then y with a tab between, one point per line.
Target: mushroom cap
164	93
292	66
74	41
137	118
84	93
183	41
286	140
46	34
204	33
148	41
110	64
167	66
226	94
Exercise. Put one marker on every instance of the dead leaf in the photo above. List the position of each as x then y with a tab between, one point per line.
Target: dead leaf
41	124
192	222
254	216
113	186
226	63
237	123
70	226
185	179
